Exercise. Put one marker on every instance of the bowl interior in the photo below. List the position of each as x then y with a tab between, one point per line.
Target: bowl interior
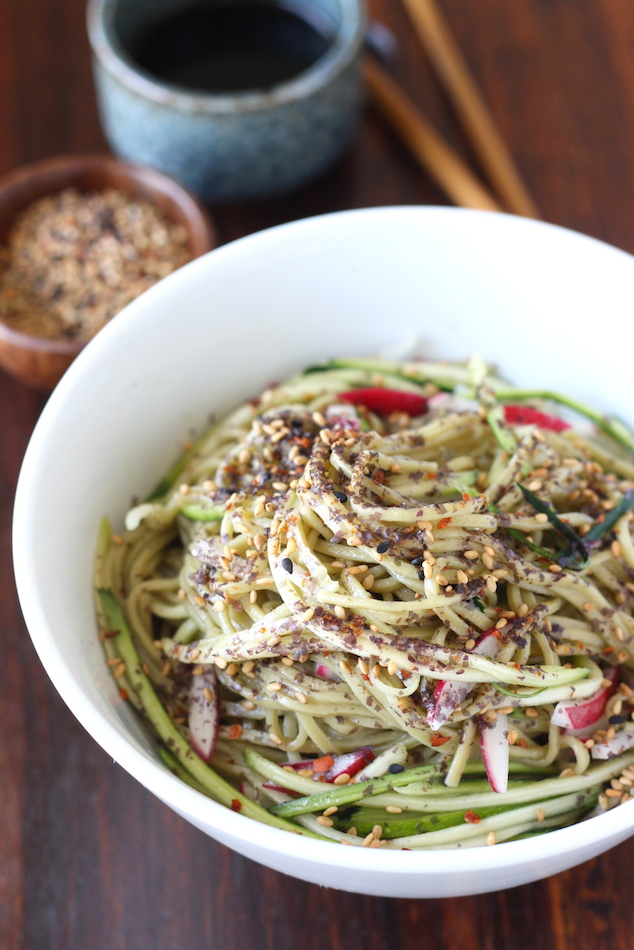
550	307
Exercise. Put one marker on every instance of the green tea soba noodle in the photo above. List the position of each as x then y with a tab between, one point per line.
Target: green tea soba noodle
388	604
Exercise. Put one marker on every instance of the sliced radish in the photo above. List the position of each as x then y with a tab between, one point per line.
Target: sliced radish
528	416
249	791
621	742
204	713
279	788
342	415
325	672
449	694
574	714
386	401
350	763
494	745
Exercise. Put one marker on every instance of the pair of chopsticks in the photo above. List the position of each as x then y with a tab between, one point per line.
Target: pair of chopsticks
444	165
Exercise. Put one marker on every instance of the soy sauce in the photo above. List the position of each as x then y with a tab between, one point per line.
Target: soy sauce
231	47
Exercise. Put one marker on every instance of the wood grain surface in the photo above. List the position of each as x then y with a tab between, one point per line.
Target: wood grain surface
88	859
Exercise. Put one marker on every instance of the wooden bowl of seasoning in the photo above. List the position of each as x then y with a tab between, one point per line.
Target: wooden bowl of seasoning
80	237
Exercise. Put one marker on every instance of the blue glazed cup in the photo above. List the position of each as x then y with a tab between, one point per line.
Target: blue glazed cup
229	146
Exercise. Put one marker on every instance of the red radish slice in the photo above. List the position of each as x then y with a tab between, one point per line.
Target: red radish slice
449	694
342	415
249	791
527	416
621	742
204	713
386	401
350	763
494	745
279	788
325	672
585	713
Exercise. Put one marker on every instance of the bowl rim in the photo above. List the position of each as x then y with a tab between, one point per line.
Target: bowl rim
113	58
613	825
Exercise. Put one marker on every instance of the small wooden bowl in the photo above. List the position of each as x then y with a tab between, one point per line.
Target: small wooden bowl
37	362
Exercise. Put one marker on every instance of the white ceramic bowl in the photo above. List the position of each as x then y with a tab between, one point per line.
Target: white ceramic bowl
551	307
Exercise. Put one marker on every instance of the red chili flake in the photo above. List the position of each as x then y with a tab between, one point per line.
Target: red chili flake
123	693
444	522
466	496
471	817
439	740
431	475
526	415
522	743
323	764
236	804
235	731
386	401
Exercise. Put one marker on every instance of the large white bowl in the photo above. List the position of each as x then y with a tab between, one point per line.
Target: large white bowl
551	307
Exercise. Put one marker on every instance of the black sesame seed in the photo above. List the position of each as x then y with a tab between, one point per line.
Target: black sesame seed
417	561
383	547
394	768
616	720
421	575
287	564
341	495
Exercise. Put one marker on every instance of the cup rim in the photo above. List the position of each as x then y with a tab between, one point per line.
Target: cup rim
111	55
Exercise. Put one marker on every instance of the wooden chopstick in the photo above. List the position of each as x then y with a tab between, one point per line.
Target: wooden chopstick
443	164
469	103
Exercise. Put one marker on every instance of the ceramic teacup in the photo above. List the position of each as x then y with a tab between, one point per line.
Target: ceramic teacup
228	146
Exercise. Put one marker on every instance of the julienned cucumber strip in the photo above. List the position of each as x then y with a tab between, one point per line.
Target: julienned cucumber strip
174	766
429	373
505	819
177	468
397	826
502	434
515	768
611	425
335	794
210	781
200	513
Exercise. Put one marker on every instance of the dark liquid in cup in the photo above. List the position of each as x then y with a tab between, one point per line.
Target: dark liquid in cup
232	47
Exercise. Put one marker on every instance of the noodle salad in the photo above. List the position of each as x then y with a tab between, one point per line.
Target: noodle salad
387	604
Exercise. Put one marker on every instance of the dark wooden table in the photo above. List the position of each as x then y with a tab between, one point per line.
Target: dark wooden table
88	859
